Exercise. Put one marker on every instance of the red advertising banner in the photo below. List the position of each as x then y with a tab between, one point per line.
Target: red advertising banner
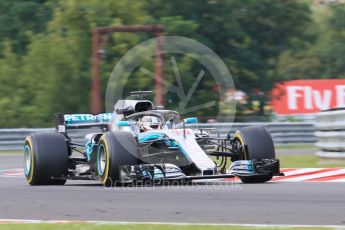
308	96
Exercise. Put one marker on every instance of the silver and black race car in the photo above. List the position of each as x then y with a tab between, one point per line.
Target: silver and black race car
140	142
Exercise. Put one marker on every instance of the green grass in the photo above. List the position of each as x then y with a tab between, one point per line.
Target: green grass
307	161
133	227
295	146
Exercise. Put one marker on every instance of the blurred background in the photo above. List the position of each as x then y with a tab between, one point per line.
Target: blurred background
46	54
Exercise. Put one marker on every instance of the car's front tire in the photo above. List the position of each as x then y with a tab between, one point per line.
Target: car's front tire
258	145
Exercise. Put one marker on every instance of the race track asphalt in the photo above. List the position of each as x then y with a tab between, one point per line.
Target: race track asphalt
270	203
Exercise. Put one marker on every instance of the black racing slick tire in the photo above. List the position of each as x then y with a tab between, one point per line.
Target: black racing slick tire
257	145
115	149
45	158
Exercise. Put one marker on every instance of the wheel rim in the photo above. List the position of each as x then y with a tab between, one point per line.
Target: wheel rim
27	160
240	145
101	160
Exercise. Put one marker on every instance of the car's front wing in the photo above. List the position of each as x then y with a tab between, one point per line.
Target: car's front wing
166	172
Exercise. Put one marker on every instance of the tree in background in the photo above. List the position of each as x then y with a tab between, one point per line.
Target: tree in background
55	72
249	35
323	57
20	16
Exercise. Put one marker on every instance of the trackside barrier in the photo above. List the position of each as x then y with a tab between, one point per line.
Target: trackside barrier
13	139
330	134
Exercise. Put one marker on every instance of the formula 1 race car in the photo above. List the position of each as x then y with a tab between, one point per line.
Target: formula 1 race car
140	142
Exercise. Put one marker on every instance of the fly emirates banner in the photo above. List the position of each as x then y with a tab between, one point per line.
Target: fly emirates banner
308	96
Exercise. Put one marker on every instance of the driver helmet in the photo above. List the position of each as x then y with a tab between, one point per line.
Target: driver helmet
151	121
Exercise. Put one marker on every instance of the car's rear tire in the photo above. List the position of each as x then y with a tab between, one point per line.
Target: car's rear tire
45	158
115	149
258	145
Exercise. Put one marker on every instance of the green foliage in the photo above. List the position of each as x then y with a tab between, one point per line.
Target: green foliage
10	87
54	74
249	35
17	17
45	50
323	57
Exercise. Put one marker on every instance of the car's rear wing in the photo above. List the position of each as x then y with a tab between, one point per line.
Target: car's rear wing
63	122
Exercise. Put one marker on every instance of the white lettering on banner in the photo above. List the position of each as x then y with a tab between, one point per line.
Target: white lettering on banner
320	99
293	95
308	96
308	101
340	89
322	102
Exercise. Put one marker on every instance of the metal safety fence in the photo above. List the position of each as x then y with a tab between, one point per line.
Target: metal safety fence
330	134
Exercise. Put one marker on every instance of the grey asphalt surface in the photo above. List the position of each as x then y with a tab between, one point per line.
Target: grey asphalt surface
270	203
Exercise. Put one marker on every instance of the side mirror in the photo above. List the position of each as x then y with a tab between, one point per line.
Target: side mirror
122	123
191	120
